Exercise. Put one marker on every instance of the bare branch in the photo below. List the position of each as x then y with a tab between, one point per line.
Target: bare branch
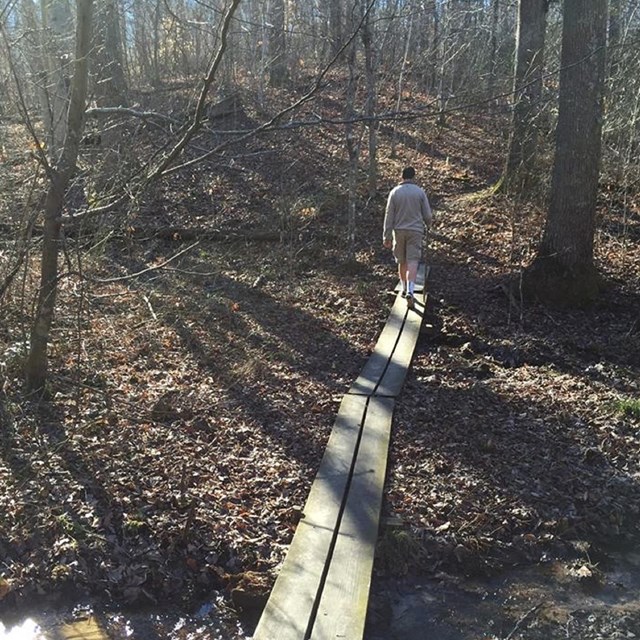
197	117
22	107
128	112
269	125
147	270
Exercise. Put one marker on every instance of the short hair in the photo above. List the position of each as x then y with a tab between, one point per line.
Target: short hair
409	173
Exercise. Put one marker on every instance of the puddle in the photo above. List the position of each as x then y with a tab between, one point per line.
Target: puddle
579	600
214	620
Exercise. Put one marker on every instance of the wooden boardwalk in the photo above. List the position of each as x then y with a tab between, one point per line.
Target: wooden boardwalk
322	590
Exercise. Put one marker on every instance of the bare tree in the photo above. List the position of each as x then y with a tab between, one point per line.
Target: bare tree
370	105
563	271
520	169
493	48
278	71
60	176
335	25
57	26
111	85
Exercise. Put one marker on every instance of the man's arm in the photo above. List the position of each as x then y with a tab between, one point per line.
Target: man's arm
389	218
427	213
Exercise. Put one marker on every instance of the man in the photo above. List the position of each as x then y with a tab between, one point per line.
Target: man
408	213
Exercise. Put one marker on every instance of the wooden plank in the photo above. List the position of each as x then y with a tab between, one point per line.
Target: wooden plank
343	606
330	573
396	372
374	368
288	612
370	378
85	629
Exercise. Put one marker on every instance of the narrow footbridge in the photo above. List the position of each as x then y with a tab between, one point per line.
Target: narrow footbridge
322	590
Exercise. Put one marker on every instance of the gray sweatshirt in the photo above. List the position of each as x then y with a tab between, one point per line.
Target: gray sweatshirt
407	208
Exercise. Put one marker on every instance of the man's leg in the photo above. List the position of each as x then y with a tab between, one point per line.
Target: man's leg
402	273
414	250
412	274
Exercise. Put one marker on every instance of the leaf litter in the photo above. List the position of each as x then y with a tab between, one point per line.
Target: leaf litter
190	408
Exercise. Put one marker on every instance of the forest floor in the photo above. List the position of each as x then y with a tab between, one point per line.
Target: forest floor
189	406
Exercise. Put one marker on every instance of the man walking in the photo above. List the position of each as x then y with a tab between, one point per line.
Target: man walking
408	213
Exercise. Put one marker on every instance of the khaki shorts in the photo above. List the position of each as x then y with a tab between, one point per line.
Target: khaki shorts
407	245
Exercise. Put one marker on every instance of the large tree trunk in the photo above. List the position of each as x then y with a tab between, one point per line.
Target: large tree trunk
335	25
111	84
520	170
563	272
278	71
36	367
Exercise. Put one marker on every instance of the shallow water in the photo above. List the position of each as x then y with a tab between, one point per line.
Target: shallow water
579	600
214	620
556	599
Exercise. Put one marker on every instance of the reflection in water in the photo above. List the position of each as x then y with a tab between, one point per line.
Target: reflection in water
214	620
27	630
582	599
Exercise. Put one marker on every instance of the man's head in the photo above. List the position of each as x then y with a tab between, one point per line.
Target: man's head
409	173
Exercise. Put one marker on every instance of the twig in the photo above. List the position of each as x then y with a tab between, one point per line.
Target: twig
153	313
128	112
147	270
524	617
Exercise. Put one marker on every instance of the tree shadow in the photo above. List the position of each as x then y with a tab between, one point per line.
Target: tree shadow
508	442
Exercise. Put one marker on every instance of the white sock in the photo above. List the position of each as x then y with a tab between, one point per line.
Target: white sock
411	286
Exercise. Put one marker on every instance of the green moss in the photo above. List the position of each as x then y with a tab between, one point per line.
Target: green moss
398	551
629	407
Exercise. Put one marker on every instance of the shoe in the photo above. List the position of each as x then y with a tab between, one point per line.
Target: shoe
410	303
404	294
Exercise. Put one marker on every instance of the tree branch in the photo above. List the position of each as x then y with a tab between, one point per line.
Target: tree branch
197	117
147	270
270	124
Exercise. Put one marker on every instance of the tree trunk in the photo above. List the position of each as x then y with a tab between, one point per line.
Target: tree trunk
615	17
36	367
370	106
493	51
141	40
335	25
563	272
278	69
405	59
443	54
111	85
353	147
520	171
58	25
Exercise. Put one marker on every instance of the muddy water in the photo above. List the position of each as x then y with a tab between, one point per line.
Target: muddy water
213	621
580	600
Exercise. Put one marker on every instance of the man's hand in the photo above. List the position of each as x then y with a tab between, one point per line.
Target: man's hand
387	244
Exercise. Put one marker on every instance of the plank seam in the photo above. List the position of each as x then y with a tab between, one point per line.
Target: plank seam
326	558
336	531
395	346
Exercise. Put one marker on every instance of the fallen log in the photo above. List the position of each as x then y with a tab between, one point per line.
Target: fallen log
191	233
